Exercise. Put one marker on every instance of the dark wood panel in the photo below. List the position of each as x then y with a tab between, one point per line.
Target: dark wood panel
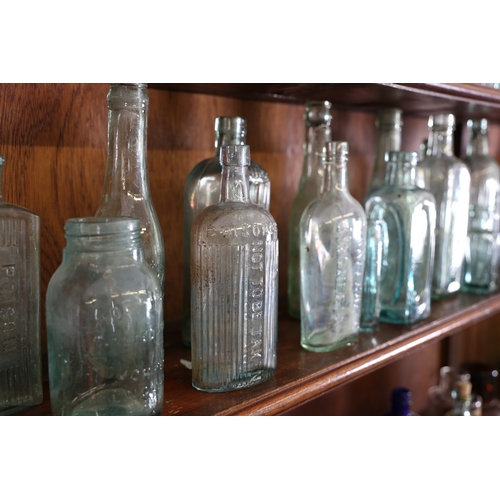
465	100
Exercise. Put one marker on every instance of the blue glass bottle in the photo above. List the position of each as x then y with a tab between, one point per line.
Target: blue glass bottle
401	403
482	256
332	258
407	215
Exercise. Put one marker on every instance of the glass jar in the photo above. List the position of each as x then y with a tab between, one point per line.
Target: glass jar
482	255
448	179
318	118
389	125
234	285
20	341
332	259
105	323
126	182
407	215
203	189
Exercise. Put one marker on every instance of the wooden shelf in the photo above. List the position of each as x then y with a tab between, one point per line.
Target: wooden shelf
465	100
303	376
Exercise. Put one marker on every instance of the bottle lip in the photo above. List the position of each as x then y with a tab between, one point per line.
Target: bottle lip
389	117
478	125
339	149
318	113
101	226
441	121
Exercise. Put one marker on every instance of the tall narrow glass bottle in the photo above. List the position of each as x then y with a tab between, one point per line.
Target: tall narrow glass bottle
408	216
234	285
20	342
448	179
203	189
126	181
482	256
318	118
389	124
332	258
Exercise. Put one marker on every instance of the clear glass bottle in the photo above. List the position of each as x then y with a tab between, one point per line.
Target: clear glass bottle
463	400
401	403
203	189
482	255
407	215
234	285
448	179
332	259
105	323
389	125
126	182
318	118
20	341
439	399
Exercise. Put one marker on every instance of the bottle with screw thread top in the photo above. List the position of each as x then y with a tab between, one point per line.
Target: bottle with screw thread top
389	125
448	179
105	323
407	215
482	255
234	285
126	190
318	118
332	259
20	336
203	189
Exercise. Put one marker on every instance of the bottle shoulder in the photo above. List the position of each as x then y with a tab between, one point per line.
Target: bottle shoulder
17	212
482	163
403	198
334	206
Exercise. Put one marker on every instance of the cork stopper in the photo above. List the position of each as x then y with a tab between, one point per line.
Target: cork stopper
464	389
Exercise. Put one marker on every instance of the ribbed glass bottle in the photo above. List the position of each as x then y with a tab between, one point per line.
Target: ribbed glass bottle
482	256
407	215
332	259
389	124
105	323
448	179
126	182
318	118
20	341
234	285
203	189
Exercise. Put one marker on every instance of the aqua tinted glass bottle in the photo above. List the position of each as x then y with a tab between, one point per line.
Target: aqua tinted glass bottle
20	335
203	189
234	285
408	216
448	179
332	259
105	323
126	190
318	118
482	256
389	124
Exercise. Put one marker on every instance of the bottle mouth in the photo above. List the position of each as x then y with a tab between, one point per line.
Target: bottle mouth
102	226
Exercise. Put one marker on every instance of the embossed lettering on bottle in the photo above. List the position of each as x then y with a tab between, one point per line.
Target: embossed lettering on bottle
234	270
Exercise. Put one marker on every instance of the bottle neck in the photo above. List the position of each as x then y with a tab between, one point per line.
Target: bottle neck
335	177
388	139
316	138
234	184
1	178
126	170
227	137
478	144
440	142
401	174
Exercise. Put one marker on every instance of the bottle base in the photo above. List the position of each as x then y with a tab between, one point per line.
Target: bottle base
246	380
327	346
16	408
110	402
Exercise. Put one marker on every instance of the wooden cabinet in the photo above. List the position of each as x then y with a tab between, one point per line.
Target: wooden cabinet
53	137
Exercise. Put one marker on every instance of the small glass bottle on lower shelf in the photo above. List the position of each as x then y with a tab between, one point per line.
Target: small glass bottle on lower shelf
407	215
105	323
234	285
439	397
20	340
484	383
332	259
401	403
465	404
